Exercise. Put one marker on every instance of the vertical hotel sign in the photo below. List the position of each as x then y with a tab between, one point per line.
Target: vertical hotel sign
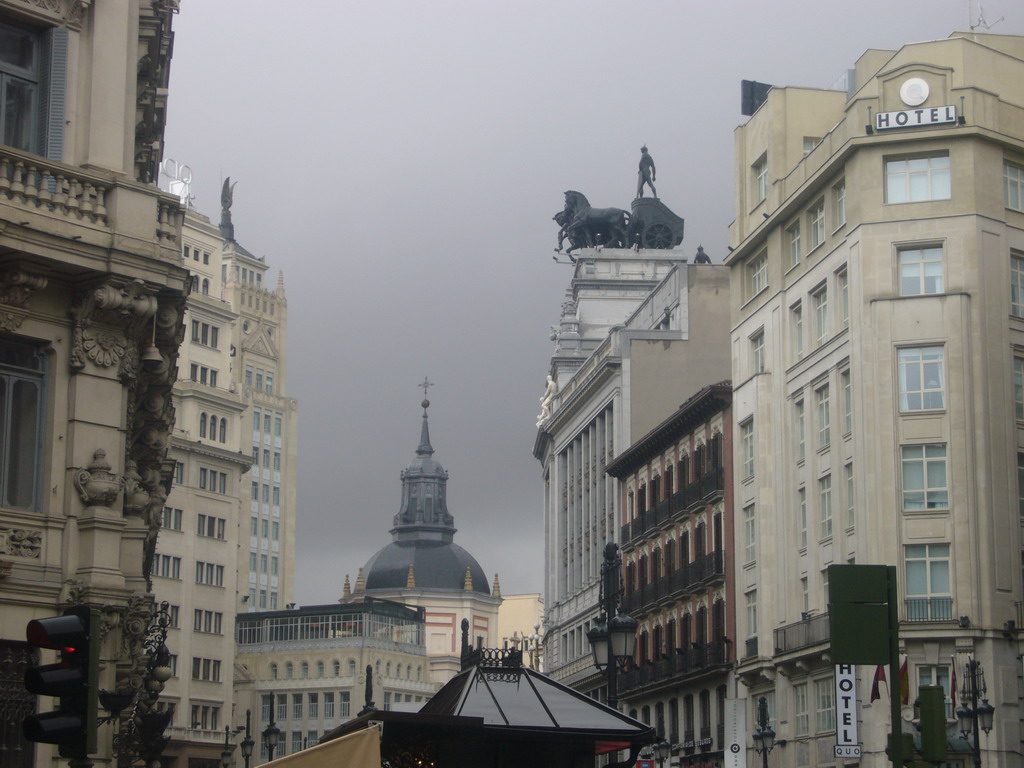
847	744
735	733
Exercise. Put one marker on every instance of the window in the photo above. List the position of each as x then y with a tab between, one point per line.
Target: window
21	396
210	622
846	387
296	741
277	460
928	582
206	669
936	674
757	352
1013	186
328	705
173	611
921	271
810	142
248	375
343	704
850	511
821	398
793	238
209	573
924	477
757	272
1020	484
747	447
824	698
210	526
270	382
825	503
1017	285
282	706
167	566
796	313
33	115
749	534
801	443
277	426
819	301
314	705
259	378
801	500
911	180
805	595
305	669
843	287
751	612
800	715
760	173
816	224
839	202
296	706
172	519
1018	388
921	379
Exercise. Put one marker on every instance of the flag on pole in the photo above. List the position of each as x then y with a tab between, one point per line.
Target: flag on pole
904	684
879	678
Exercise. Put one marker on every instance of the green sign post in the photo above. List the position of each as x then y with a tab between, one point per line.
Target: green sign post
864	627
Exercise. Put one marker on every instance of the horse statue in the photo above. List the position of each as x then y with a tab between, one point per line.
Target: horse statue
585	226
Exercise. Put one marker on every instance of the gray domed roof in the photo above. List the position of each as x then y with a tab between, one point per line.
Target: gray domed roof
436	565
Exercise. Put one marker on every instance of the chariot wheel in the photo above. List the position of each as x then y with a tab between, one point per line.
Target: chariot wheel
658	236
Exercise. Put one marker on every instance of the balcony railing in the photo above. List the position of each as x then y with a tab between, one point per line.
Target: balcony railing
929	608
682	663
689	577
801	634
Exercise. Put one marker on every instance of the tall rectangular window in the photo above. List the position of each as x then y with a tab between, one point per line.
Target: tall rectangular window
749	534
801	430
937	674
796	313
839	202
921	271
759	171
757	274
296	706
1020	484
924	477
921	378
816	224
21	397
747	447
843	288
757	352
928	582
819	300
1016	285
1013	186
846	386
1018	388
328	705
801	719
821	399
916	179
825	503
751	612
825	705
20	85
850	509
801	501
793	246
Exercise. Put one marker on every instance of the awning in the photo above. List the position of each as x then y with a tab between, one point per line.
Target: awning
356	750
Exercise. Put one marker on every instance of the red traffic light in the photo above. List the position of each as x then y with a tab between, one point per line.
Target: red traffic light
61	633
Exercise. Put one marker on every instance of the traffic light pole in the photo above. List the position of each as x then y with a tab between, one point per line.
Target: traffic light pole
895	683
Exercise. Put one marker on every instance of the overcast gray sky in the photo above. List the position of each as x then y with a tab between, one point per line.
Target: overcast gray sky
401	162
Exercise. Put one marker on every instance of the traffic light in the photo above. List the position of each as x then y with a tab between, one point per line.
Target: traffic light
73	680
932	700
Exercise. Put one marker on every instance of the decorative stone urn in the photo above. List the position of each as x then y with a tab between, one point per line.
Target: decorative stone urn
97	485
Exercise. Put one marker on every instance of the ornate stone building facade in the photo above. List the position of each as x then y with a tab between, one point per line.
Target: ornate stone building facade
640	331
878	329
92	295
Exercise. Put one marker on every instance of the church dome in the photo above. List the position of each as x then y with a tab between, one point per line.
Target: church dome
423	533
435	564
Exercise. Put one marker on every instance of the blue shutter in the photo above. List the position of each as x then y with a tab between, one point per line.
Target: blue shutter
53	78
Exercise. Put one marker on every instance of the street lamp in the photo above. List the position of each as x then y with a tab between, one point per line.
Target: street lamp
247	742
613	638
229	748
764	737
662	750
976	716
270	736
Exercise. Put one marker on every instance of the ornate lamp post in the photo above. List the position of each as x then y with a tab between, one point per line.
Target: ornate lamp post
229	748
662	750
976	716
270	735
613	639
247	743
764	737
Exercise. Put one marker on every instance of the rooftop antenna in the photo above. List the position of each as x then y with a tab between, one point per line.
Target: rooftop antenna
981	22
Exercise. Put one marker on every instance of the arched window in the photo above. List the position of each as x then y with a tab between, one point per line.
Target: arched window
289	670
351	666
195	282
206	286
273	671
305	669
337	668
223	430
419	673
376	668
388	669
319	669
408	671
202	425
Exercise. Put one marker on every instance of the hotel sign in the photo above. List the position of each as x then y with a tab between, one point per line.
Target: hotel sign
847	744
908	118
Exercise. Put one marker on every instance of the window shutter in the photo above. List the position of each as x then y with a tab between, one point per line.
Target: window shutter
53	77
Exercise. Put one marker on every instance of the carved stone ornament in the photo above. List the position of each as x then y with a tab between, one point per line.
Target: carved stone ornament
97	485
103	348
20	542
123	308
136	497
16	288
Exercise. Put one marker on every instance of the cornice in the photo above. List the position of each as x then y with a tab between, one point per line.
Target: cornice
203	449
